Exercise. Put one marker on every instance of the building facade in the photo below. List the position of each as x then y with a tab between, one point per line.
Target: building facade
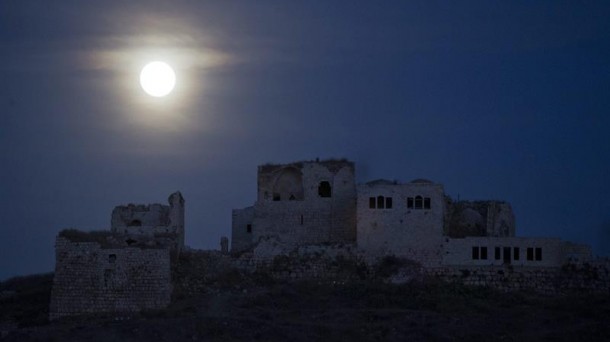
318	202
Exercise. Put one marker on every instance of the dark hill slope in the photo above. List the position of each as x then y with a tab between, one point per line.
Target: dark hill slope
230	306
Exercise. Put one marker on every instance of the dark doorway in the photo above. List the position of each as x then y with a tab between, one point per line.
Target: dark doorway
507	257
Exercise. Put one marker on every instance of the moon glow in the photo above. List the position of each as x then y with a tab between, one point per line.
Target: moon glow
157	79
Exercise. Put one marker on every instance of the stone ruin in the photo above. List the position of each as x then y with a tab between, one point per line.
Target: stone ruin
126	269
163	224
318	202
311	220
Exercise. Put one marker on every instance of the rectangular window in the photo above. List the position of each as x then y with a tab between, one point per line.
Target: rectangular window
475	253
372	202
249	228
483	253
516	253
301	220
388	202
419	202
538	254
530	253
426	202
380	202
410	202
506	259
112	258
497	253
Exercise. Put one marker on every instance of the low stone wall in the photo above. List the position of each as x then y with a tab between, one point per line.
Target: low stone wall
90	279
571	278
340	261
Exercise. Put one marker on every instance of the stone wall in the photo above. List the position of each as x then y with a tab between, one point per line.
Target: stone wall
591	277
91	279
303	203
241	229
152	220
409	229
518	251
313	262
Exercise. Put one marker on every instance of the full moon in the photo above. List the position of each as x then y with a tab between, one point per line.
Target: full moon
157	79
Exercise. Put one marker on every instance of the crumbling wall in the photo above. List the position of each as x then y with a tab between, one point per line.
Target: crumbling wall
152	220
479	218
241	229
279	261
306	202
91	279
407	229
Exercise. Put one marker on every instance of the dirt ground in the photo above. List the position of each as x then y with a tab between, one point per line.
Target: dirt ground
266	310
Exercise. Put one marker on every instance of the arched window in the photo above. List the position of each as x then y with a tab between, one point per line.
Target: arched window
324	189
288	185
419	202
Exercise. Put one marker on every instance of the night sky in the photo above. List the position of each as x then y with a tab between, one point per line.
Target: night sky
493	99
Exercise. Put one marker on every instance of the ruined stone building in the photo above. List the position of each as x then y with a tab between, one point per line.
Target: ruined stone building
312	210
164	223
318	202
126	269
300	203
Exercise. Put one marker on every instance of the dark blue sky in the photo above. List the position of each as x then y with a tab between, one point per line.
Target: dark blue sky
495	100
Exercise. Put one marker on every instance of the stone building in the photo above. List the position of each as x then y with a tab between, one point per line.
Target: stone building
404	220
126	269
300	203
318	202
95	274
164	223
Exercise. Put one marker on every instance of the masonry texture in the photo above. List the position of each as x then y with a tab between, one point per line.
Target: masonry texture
300	203
318	202
91	279
312	221
125	269
163	222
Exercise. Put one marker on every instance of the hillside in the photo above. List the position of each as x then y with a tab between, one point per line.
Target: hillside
223	304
